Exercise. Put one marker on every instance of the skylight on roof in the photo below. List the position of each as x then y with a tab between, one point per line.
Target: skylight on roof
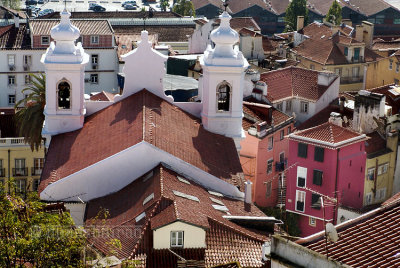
140	217
187	196
219	202
215	193
182	180
147	199
220	208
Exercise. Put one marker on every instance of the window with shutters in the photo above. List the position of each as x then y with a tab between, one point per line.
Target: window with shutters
302	150
316	201
317	177
319	154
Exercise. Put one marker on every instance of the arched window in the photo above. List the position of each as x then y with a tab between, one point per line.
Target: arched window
223	96
64	95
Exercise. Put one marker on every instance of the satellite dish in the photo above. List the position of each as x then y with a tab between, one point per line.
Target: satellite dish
331	232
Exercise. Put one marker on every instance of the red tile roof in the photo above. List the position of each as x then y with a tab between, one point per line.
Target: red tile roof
248	32
126	40
371	240
293	81
256	113
367	7
238	23
386	45
328	133
201	3
392	93
375	144
141	117
86	27
102	96
113	15
14	38
238	5
161	33
226	241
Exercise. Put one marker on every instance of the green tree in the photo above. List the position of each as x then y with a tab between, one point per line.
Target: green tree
164	4
295	8
31	234
334	15
184	8
30	117
14	4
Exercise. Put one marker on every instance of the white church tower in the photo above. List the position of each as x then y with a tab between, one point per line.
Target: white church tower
64	66
222	83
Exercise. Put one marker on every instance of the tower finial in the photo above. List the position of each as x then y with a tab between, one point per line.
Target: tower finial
226	4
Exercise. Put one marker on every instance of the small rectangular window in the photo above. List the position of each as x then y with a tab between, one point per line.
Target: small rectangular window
269	166
300	200
317	177
312	221
45	39
382	169
304	107
319	154
11	60
20	185
289	130
312	66
288	105
301	177
28	79
95	59
390	64
270	143
282	134
176	238
371	174
368	199
36	185
279	106
316	201
27	60
94	39
94	78
397	67
302	150
346	51
11	80
269	189
11	99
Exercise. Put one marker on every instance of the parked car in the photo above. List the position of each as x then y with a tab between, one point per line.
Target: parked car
92	5
40	1
130	7
30	2
99	8
133	3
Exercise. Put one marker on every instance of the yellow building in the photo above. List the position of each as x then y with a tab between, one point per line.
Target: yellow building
383	71
380	168
17	160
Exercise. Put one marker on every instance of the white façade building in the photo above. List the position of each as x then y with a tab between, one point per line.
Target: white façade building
22	45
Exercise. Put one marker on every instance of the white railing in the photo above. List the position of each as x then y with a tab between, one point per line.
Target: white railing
12	141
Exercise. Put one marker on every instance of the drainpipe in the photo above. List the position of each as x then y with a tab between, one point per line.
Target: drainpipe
9	166
336	207
375	177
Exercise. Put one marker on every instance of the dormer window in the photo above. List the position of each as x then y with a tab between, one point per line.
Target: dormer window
223	96
45	40
94	39
346	51
64	95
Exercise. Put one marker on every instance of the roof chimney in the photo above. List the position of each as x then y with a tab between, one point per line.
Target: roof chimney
247	195
359	33
336	119
300	23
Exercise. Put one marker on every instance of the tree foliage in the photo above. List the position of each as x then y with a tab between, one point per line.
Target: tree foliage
14	4
164	4
30	234
295	8
334	15
184	8
30	117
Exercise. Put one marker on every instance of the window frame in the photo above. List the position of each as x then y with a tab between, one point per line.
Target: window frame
12	80
270	165
279	106
302	175
177	245
315	181
45	42
322	150
27	60
268	191
228	97
315	201
9	98
298	150
94	78
94	59
288	107
9	57
28	79
304	107
58	95
300	195
94	39
270	143
312	221
282	134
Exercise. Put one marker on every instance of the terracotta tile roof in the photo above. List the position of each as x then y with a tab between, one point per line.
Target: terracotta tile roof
248	32
316	30
162	33
14	38
201	3
237	23
328	133
141	117
260	113
375	144
226	241
367	7
112	15
371	240
318	6
86	27
279	6
293	81
20	14
102	96
323	116
238	5
125	41
386	45
392	93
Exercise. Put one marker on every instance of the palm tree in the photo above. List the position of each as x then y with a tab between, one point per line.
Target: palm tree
30	118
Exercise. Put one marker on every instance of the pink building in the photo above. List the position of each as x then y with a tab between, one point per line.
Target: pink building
264	151
327	160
